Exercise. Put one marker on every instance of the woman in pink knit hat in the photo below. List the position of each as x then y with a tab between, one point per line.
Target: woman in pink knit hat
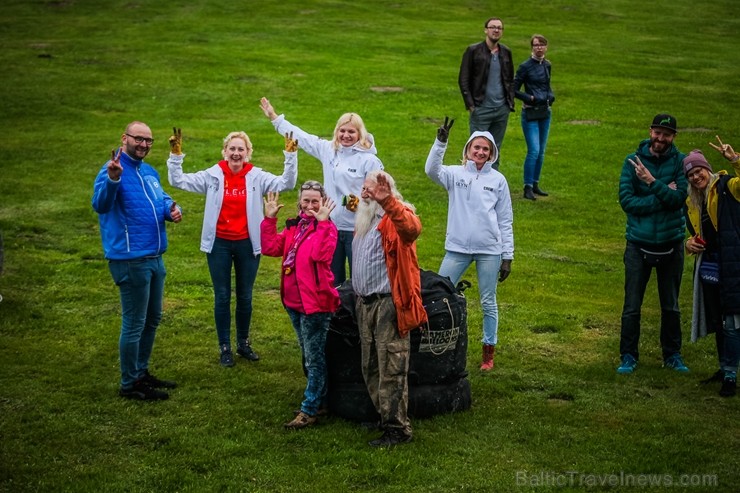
714	222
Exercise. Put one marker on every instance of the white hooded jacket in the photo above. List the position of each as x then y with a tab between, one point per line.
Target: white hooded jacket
479	214
344	169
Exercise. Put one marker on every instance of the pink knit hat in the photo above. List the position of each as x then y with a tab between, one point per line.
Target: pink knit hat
695	159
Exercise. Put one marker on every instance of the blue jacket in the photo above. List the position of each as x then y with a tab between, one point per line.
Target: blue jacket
131	211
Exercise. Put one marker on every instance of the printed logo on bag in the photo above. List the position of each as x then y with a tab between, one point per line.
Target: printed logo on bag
438	341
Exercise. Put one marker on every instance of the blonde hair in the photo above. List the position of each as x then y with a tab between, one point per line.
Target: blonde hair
239	135
492	155
356	121
697	197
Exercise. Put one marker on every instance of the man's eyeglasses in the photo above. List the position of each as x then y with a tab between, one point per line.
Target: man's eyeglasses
495	28
539	46
139	139
312	186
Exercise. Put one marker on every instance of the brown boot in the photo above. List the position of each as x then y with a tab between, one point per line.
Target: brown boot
488	351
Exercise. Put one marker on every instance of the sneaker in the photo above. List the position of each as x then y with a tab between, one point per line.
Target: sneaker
245	351
142	392
729	387
301	421
227	357
390	438
718	376
676	362
155	382
628	364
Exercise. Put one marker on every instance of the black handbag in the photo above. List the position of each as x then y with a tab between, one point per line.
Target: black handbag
537	112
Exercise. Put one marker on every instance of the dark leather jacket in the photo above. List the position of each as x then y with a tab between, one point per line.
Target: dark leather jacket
535	76
474	74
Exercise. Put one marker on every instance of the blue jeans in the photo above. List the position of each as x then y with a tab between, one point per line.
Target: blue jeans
494	120
731	343
141	284
343	252
311	331
454	265
535	134
636	276
222	256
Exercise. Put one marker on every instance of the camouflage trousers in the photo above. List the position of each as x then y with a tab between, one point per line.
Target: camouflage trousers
385	362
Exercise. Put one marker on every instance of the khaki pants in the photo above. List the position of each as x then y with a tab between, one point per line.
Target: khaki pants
385	362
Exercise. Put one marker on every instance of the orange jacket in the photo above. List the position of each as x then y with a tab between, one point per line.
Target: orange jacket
399	229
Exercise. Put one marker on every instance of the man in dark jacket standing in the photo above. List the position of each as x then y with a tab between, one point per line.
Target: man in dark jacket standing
487	83
652	192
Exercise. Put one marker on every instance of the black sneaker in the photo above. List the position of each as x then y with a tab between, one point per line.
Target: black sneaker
227	357
729	387
156	383
246	352
390	438
142	392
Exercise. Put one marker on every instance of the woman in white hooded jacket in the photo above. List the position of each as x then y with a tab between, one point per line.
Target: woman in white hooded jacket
346	161
234	188
479	223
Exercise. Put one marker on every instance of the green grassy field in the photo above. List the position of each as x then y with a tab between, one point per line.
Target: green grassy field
552	416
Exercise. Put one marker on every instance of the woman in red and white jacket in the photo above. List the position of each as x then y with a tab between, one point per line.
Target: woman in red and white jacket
307	289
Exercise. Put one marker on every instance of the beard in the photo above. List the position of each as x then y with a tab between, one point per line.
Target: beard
659	147
366	215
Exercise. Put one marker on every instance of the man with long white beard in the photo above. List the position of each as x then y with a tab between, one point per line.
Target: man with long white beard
386	279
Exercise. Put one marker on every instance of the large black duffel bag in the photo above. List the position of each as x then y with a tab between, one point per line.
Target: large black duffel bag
437	361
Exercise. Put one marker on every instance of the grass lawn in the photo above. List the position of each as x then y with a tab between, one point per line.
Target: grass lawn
552	416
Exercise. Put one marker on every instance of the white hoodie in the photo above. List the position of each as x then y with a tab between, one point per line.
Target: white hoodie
344	169
479	214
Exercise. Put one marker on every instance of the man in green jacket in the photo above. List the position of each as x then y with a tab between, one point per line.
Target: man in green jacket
652	192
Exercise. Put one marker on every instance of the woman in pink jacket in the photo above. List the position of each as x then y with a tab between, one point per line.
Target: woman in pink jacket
307	246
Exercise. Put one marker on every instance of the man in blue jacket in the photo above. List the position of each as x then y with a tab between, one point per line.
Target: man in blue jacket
652	192
132	208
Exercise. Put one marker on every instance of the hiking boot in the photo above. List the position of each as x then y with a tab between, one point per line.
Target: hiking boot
629	363
155	382
538	191
718	376
729	385
227	357
142	392
528	193
244	350
301	421
675	361
390	438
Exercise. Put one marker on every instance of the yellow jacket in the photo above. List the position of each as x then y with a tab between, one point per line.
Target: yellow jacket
733	186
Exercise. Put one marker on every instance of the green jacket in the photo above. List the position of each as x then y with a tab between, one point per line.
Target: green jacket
654	212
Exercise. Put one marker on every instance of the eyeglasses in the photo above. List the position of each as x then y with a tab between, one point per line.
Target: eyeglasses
312	186
495	28
539	46
139	139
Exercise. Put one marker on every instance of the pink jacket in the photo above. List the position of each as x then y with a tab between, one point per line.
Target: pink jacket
313	261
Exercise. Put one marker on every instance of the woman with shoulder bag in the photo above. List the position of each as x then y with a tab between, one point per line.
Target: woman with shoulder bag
713	211
537	97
